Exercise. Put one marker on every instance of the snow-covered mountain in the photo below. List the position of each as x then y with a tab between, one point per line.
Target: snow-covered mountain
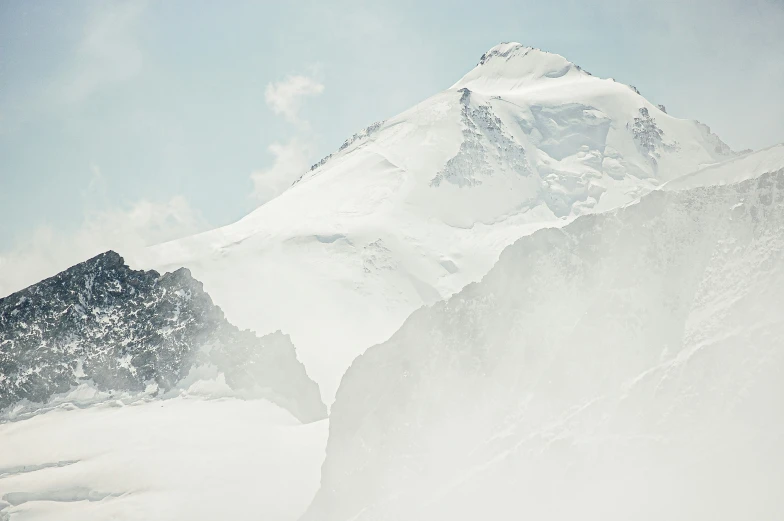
413	208
103	329
622	359
625	366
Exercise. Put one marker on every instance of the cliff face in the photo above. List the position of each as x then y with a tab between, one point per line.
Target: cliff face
127	330
626	357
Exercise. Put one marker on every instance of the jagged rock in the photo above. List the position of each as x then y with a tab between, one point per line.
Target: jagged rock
484	137
647	134
126	330
365	132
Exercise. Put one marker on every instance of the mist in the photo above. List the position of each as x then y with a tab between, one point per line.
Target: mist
627	366
404	261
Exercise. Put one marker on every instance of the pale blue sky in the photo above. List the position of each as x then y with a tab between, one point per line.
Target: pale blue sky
104	105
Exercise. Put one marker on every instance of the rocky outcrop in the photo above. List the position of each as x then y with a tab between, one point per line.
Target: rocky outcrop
127	330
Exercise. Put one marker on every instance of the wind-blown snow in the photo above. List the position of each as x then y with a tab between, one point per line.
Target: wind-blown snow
626	366
186	458
732	171
412	209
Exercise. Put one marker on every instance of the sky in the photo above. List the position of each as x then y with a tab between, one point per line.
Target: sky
130	123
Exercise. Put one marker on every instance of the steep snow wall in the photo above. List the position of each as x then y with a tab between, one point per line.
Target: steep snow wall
626	366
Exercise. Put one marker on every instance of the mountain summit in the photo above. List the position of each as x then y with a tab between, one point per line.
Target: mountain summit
410	210
509	66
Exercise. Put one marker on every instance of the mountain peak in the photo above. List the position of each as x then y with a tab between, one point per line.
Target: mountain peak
410	210
503	50
510	65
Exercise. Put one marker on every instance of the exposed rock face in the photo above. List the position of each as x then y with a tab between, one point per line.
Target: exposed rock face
647	135
487	148
126	330
362	134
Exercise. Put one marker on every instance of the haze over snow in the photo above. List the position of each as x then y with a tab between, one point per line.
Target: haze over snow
413	208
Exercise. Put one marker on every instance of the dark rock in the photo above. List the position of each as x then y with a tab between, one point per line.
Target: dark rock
126	330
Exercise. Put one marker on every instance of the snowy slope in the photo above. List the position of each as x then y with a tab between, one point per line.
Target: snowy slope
413	208
625	366
184	459
732	171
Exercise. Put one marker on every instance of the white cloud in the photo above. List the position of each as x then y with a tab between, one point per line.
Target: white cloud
48	251
286	97
291	161
108	52
291	158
